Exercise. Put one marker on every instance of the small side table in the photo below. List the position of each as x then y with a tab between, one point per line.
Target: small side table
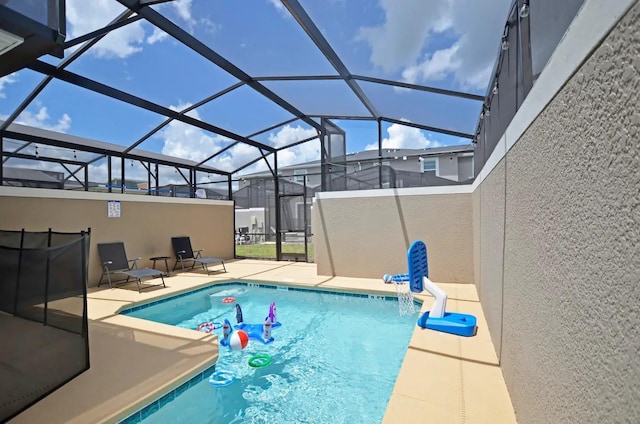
161	258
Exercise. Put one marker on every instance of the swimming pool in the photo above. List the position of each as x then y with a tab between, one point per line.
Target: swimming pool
335	357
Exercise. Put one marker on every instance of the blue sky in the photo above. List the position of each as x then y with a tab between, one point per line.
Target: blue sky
448	44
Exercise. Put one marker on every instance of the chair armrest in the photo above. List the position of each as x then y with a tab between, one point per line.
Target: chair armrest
106	264
135	262
180	253
198	253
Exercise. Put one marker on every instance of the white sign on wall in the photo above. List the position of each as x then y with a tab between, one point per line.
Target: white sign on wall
113	209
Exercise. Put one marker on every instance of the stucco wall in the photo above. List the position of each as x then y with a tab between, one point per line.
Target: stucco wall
569	315
367	234
490	291
146	224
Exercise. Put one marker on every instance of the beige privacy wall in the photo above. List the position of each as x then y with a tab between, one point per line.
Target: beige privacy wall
146	225
565	319
367	233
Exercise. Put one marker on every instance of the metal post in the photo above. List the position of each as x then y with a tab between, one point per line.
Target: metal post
46	281
85	327
148	178
157	181
304	214
276	192
109	176
15	297
1	161
122	162
525	51
324	178
193	185
379	153
86	177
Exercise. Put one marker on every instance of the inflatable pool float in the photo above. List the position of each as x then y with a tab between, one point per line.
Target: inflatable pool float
221	378
255	331
208	327
259	332
259	361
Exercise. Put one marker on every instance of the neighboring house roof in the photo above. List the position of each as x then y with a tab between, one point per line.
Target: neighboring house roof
399	153
371	155
27	174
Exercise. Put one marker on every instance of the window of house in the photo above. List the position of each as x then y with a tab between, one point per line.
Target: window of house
299	175
429	165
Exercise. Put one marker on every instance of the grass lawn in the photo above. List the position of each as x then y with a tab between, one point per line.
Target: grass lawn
268	251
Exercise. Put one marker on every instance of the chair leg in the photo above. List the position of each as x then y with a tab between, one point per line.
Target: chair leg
224	267
137	282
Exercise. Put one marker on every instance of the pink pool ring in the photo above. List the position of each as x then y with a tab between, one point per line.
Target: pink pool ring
228	300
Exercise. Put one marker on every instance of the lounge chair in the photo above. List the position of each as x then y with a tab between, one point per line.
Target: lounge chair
114	261
184	252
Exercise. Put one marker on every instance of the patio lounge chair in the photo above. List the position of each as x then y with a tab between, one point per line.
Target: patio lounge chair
184	252
114	261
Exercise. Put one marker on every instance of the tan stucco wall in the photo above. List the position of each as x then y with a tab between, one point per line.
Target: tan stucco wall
491	248
566	319
146	224
368	235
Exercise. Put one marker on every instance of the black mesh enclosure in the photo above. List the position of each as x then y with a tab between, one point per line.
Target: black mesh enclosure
43	318
333	157
530	41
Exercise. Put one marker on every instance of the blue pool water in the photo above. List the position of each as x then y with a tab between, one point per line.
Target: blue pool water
335	357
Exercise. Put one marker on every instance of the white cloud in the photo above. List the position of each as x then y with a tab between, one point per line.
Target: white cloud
398	42
289	134
41	119
188	142
402	42
404	137
280	7
86	16
301	153
7	79
183	8
158	35
436	66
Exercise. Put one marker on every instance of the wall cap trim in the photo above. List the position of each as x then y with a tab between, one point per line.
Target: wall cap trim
45	193
393	192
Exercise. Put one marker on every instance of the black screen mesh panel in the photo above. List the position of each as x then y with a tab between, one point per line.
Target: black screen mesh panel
44	321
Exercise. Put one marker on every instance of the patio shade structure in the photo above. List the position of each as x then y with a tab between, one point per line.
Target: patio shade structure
366	94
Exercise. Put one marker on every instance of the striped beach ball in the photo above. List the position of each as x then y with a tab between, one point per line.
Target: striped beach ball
238	340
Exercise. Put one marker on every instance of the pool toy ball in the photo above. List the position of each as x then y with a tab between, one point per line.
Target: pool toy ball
238	340
387	278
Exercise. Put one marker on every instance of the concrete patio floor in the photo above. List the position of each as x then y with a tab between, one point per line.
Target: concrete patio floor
443	378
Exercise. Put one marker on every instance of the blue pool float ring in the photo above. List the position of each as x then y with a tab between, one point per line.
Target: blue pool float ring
221	378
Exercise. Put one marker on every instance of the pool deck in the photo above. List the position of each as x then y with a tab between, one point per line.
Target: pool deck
443	378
